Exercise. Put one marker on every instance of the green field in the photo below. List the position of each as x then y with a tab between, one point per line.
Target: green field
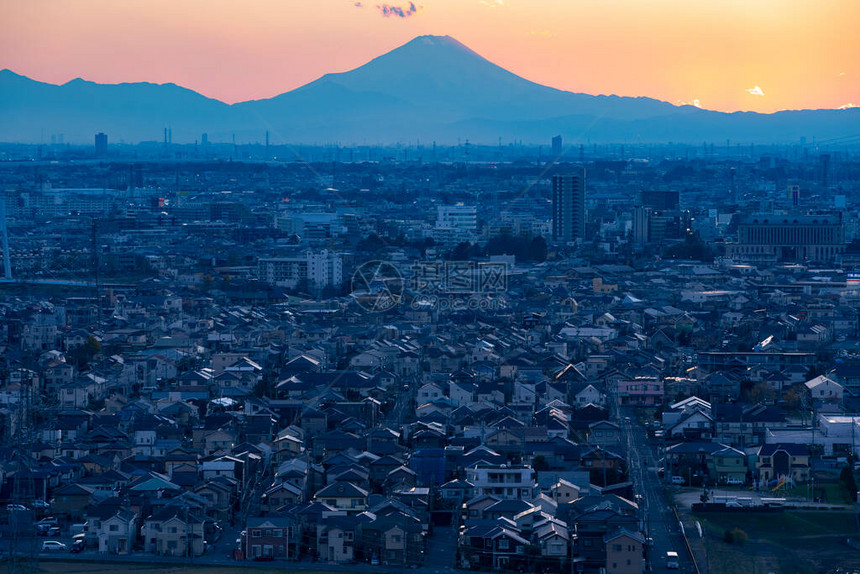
786	525
788	543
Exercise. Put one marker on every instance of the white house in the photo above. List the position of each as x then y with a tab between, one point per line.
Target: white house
429	392
824	389
524	393
695	424
117	533
589	394
462	394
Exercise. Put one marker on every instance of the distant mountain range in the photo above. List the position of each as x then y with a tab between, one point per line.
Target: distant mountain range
431	89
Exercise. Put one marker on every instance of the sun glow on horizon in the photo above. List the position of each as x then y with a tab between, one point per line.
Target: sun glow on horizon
766	55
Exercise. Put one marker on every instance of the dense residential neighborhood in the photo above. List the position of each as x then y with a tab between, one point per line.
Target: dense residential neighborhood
403	372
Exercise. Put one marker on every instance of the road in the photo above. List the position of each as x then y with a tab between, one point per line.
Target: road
218	564
659	520
441	550
401	409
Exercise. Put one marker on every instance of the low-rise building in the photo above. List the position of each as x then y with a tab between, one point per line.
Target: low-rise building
503	481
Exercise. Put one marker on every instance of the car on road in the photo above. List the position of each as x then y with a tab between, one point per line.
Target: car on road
735	481
77	546
48	521
672	562
53	546
678	480
47	530
16	507
40	504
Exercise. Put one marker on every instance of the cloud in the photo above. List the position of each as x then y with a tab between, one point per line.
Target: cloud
695	103
389	10
756	91
847	107
492	3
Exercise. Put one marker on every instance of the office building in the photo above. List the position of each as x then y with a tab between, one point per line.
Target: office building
568	207
797	238
315	269
461	217
556	146
101	144
659	219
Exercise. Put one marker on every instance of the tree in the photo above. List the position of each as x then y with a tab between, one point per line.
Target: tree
791	399
735	536
462	252
692	248
185	364
261	388
846	477
370	244
539	463
423	245
92	346
538	249
740	537
81	355
761	393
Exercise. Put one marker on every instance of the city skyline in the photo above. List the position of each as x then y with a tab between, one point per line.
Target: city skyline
764	56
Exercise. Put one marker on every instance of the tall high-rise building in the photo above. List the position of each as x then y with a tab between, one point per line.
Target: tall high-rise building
556	147
656	226
568	207
101	144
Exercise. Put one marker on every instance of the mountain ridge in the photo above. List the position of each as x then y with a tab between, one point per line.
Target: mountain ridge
430	88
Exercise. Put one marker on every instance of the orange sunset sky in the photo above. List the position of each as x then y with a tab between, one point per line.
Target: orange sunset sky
728	55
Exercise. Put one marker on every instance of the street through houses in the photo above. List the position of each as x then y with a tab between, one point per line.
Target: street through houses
441	550
660	523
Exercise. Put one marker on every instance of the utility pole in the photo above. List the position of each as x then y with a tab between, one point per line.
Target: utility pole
94	247
22	490
188	547
7	262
